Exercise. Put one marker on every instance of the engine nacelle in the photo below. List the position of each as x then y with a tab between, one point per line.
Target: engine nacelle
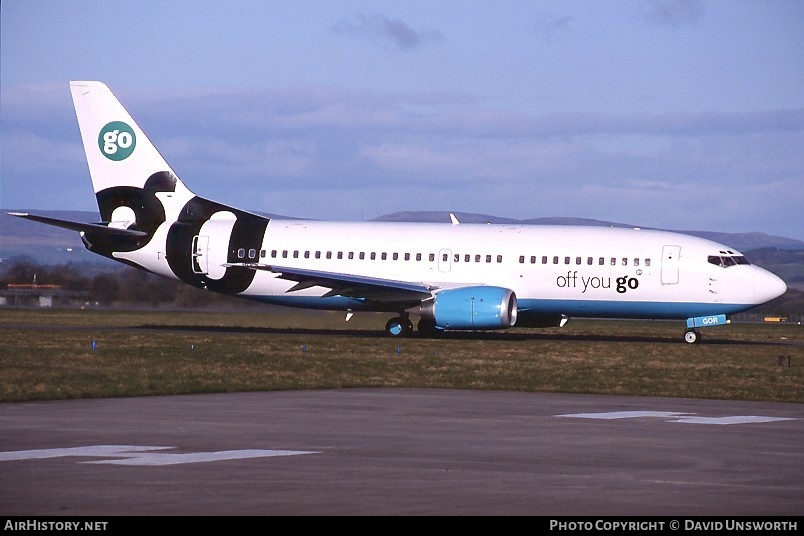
472	308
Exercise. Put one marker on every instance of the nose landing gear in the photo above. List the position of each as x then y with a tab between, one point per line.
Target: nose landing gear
692	336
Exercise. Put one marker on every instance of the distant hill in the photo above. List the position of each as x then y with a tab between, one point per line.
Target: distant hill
740	241
44	243
53	245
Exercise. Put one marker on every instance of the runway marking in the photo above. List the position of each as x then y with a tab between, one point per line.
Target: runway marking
144	455
674	416
624	414
737	419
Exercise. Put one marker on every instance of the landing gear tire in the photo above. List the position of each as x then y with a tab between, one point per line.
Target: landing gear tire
427	329
399	327
692	336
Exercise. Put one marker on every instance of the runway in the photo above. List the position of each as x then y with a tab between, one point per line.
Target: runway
401	452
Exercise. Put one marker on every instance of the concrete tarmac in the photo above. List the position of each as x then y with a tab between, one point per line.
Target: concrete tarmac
401	452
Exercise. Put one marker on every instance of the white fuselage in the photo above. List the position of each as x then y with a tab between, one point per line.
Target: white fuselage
575	271
454	276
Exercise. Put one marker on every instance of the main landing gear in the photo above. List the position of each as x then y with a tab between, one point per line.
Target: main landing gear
399	326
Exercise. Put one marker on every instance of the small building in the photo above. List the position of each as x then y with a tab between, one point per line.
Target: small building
24	295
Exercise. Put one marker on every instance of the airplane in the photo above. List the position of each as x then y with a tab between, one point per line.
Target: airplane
453	276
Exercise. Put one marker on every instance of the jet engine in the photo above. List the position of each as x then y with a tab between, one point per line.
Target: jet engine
471	308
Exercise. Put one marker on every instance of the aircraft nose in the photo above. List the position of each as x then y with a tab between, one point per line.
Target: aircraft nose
768	286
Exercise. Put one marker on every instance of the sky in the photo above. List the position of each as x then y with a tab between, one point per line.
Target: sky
674	114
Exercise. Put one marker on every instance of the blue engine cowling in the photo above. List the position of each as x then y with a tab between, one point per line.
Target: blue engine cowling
472	308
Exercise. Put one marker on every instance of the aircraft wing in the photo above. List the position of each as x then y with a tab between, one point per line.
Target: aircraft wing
348	285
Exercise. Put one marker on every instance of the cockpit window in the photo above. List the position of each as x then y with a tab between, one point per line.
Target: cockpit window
724	261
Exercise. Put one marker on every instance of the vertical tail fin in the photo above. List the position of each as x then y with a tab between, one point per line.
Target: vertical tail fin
152	220
128	172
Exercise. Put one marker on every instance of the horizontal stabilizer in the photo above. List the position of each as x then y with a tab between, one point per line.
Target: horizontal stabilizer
101	228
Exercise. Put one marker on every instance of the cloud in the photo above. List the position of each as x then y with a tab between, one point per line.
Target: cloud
553	28
344	154
325	111
381	29
675	13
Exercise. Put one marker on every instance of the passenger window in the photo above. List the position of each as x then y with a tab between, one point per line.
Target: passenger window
362	255
613	261
566	260
295	253
555	260
544	259
445	257
329	254
407	256
383	256
418	256
477	258
351	255
241	253
521	259
636	262
284	254
395	256
306	254
252	254
647	262
340	255
467	258
625	261
262	253
273	253
373	255
577	260
432	257
601	261
533	259
590	261
499	259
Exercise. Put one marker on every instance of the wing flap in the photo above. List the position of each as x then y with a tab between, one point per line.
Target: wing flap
348	285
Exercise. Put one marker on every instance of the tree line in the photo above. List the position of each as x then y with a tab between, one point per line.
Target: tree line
106	286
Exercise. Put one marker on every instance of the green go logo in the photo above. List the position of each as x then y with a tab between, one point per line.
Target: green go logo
117	141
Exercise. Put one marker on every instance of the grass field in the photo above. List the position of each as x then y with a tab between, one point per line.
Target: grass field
62	354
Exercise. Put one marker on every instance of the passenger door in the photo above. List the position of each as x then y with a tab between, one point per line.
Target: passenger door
670	261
